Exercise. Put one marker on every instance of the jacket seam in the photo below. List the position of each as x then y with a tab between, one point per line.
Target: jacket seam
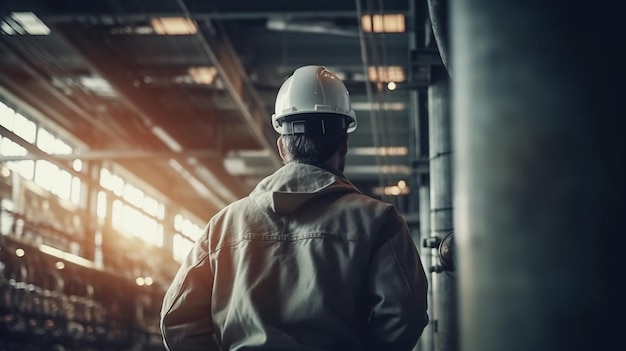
179	291
404	277
395	254
202	257
284	238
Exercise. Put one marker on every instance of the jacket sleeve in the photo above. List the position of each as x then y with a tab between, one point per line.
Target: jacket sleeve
398	287
186	322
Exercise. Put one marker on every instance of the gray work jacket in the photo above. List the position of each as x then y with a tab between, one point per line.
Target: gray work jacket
305	262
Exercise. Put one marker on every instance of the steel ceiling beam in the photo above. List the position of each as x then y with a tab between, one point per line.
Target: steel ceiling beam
252	116
113	155
101	62
40	77
208	16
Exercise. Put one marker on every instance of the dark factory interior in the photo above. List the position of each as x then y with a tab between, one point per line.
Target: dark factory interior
495	128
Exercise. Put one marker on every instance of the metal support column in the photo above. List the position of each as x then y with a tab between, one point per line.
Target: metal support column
91	224
427	338
419	150
539	184
440	146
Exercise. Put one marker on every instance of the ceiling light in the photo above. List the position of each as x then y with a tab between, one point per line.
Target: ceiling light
391	86
250	153
396	190
373	169
391	23
358	77
385	73
392	190
386	106
202	75
173	26
143	30
166	138
380	151
97	85
66	256
135	30
276	24
234	165
25	22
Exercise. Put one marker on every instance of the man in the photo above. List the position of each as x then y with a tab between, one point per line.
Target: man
305	262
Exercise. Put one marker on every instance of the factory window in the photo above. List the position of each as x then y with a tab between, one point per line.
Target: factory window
17	123
133	195
24	128
45	174
50	144
151	206
62	184
76	189
132	222
186	227
23	168
49	176
187	232
57	181
101	206
45	140
133	213
6	219
158	236
111	182
6	116
181	245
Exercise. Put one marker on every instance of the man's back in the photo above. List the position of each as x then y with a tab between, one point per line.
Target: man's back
306	262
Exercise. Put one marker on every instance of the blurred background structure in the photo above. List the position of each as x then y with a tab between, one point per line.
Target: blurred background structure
125	125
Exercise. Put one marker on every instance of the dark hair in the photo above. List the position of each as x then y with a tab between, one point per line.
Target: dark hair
311	148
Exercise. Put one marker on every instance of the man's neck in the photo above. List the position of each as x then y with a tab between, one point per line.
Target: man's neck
326	166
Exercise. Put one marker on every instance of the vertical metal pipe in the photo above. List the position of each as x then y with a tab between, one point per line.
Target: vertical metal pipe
417	108
16	191
438	13
427	338
90	224
539	183
440	146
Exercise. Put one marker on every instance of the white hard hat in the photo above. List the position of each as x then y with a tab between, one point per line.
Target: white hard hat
310	101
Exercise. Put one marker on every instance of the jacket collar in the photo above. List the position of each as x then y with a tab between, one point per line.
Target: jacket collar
297	183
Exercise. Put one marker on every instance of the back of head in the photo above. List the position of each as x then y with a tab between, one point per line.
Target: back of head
305	148
312	113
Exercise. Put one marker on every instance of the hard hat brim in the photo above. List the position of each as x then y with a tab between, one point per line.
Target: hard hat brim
314	122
